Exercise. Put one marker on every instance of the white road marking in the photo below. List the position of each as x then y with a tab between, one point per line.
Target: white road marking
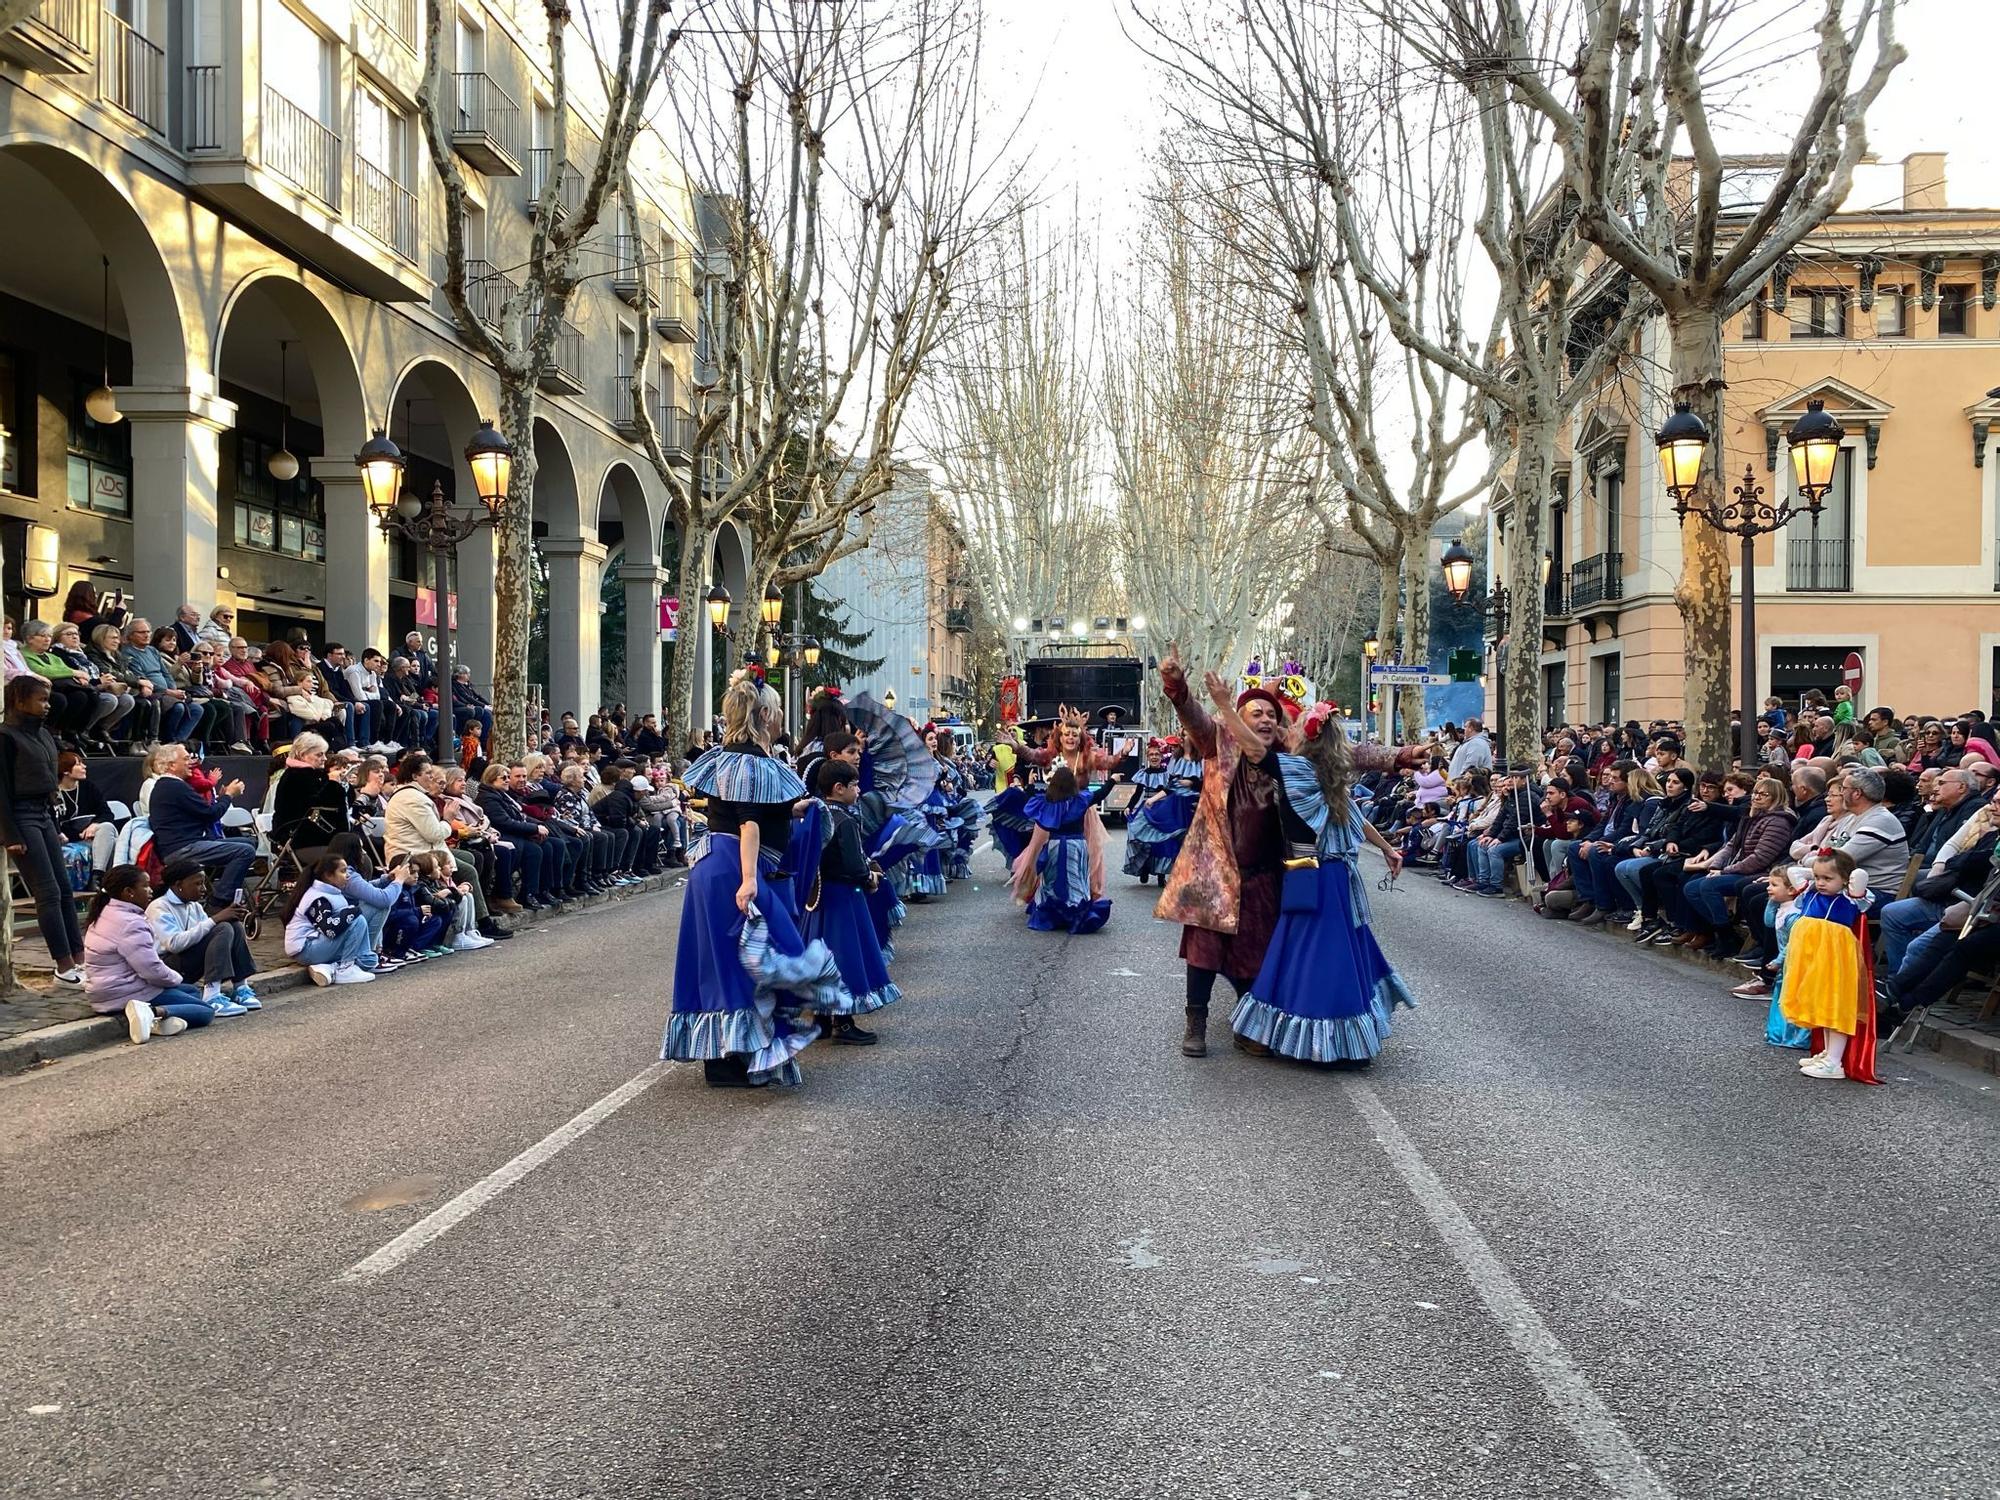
491	1186
1626	1472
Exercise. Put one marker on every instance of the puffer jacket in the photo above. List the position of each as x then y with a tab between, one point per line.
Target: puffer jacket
1760	841
121	960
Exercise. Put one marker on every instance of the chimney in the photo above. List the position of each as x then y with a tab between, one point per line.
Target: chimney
1923	180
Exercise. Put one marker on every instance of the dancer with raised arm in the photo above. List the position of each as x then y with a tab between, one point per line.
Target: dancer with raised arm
1089	766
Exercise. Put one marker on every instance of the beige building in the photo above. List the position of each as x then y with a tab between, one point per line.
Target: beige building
1889	316
225	211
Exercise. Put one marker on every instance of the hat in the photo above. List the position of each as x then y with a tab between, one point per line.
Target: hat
641	784
1260	693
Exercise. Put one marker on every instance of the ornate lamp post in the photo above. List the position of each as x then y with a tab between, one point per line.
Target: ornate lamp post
438	526
1456	565
1683	442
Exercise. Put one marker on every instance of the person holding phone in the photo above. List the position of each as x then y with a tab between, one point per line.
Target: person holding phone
204	947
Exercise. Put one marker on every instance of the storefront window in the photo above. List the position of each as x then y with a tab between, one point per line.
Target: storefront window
271	515
100	457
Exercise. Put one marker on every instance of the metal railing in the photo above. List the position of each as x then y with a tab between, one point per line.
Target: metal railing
298	147
74	21
1818	564
132	74
675	314
628	270
676	424
400	16
488	290
565	352
1597	580
486	111
542	161
201	130
958	621
384	208
1555	605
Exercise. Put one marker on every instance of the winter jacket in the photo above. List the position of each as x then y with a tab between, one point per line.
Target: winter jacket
619	808
27	771
1706	830
412	824
1516	818
178	925
309	809
324	911
121	959
181	815
1664	827
505	809
1759	842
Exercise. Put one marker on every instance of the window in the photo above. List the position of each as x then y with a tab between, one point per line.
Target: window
1818	548
1954	312
1611	494
100	458
298	62
1609	675
272	515
1555	706
1753	318
17	473
381	135
1818	313
1892	312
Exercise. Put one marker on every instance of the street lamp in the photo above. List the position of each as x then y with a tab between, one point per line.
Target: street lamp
1683	442
1457	565
438	526
718	601
1371	647
773	607
889	699
1457	568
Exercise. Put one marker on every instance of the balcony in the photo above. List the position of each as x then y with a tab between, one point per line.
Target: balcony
132	74
1555	601
489	293
958	621
564	376
201	126
398	17
1818	565
676	424
385	209
674	319
300	149
628	271
60	37
1596	582
624	411
487	127
544	164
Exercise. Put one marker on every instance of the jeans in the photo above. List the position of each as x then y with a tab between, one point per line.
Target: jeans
1902	922
1595	877
351	947
1489	862
1628	873
1944	960
230	858
177	720
185	1001
223	957
408	933
48	881
1706	898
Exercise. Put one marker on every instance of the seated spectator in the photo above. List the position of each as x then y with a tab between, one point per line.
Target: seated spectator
185	821
74	702
415	824
122	966
1593	862
1959	866
426	905
114	699
539	863
310	808
179	638
227	702
647	739
206	949
1685	819
373	891
179	718
243	678
660	802
1743	863
403	694
1490	853
220	630
468	707
1869	833
619	811
606	846
364	680
451	900
83	815
356	715
325	931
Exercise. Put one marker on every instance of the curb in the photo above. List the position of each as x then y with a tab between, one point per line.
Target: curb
37	1049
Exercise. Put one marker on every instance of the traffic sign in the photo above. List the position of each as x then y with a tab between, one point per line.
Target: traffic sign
1393	675
1850	672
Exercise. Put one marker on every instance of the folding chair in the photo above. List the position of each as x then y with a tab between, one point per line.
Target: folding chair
272	875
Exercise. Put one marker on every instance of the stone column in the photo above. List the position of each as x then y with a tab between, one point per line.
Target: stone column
357	561
576	574
176	473
477	625
642	636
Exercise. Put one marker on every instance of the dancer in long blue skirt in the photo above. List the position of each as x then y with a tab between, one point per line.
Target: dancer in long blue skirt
1325	991
1054	875
1160	815
748	987
837	910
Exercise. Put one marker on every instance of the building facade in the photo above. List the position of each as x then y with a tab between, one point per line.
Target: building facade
225	212
1889	316
905	593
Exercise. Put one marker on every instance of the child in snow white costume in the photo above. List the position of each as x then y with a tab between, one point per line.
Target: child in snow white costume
747	986
1324	991
1829	981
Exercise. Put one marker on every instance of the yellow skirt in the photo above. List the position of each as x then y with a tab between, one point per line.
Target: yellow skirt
1822	982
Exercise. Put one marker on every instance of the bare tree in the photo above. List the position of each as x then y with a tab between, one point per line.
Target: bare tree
520	347
1212	472
1012	427
1624	89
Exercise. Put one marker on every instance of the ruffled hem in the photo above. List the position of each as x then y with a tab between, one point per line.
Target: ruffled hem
957	865
924	883
710	1035
1141	859
1078	920
876	1000
808	980
1327	1039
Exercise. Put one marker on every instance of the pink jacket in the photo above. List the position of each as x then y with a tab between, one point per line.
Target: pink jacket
121	959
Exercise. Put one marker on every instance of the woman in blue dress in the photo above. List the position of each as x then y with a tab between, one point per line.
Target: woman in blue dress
1054	875
1160	815
1325	990
748	988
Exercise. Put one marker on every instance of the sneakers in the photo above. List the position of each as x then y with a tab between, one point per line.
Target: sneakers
439	952
224	1007
139	1021
1638	922
320	973
247	998
387	965
470	942
71	975
1756	989
169	1026
353	974
1822	1067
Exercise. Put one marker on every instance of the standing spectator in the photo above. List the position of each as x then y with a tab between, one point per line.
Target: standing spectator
209	950
179	638
178	717
364	680
122	964
325	931
82	814
184	822
1474	753
30	776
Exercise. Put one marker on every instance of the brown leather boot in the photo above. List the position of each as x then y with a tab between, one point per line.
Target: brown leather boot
1195	1042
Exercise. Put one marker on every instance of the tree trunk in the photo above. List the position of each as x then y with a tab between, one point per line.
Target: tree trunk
1703	591
1415	650
1389	571
513	581
677	712
1522	680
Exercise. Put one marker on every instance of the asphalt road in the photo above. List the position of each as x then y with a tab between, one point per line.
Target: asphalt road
1577	1234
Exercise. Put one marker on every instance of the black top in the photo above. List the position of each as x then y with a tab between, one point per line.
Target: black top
308	808
843	861
27	770
773	819
81	806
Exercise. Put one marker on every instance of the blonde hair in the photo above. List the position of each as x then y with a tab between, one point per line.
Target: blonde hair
534	763
1640	784
751	711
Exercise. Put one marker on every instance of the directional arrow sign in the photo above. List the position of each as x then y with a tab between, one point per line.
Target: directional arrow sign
1406	677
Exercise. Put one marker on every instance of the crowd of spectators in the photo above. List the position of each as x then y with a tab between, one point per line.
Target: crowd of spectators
1608	826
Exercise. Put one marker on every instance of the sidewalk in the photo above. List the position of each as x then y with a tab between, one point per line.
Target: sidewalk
39	1025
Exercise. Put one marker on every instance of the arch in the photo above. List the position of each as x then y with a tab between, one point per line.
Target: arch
343	407
558	505
621	501
731	567
156	322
